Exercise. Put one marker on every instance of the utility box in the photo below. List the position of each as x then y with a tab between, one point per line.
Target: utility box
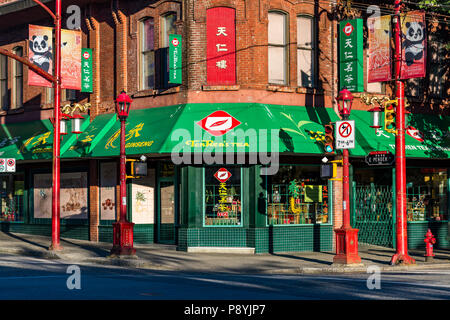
326	171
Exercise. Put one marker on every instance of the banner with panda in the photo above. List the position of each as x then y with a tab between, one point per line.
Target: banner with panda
40	52
414	45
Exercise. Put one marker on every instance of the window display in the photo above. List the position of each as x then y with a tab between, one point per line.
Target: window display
427	192
11	197
297	195
222	196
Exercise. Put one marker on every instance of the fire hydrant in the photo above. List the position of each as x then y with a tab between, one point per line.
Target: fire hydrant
429	241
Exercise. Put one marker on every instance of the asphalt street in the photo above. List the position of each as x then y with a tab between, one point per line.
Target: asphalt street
27	278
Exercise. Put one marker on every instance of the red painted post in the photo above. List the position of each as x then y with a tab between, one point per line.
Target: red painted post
401	256
346	188
123	179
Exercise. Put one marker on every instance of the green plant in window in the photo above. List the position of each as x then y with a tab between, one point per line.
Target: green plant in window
294	189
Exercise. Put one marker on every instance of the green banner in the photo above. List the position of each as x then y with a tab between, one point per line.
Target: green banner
86	71
351	58
175	58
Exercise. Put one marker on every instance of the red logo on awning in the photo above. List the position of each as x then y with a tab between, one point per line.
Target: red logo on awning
218	123
348	29
413	132
222	175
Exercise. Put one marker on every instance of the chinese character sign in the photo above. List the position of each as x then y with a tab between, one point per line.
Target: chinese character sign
175	58
414	45
221	46
351	55
40	52
86	70
379	60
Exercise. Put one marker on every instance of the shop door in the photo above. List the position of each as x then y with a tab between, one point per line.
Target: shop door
167	208
373	213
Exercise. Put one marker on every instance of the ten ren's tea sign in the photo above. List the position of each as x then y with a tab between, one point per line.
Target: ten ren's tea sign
380	158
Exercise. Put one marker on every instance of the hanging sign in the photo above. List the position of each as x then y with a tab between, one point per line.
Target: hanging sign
86	70
380	158
351	60
379	52
175	58
414	45
345	134
221	46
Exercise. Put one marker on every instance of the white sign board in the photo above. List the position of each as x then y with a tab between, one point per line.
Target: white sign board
10	165
345	134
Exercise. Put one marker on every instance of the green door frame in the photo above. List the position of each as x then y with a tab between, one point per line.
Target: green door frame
174	179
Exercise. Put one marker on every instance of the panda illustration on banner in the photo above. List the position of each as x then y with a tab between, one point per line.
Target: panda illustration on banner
413	42
42	52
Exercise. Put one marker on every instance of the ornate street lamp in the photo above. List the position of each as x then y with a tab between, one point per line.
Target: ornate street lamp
123	230
346	236
376	113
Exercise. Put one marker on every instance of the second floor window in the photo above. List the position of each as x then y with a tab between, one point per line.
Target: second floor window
277	48
306	66
147	54
17	84
162	59
4	82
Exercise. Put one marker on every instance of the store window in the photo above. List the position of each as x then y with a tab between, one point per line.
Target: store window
297	195
147	54
11	197
162	60
427	194
306	52
223	196
277	46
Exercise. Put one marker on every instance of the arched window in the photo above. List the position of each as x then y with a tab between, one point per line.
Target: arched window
17	80
277	48
306	52
146	54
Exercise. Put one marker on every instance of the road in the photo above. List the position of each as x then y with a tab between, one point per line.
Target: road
29	278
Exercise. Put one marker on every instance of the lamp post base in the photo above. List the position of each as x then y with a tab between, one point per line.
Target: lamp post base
55	247
123	239
346	246
402	259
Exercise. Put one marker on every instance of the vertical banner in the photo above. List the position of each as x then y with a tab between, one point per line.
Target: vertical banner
40	52
221	46
86	70
175	58
71	59
379	53
414	45
351	60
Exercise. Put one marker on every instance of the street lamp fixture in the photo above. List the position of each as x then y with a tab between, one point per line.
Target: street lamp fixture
123	104
346	236
376	117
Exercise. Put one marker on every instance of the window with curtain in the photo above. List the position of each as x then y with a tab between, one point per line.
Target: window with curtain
306	52
17	85
147	54
167	28
277	46
4	82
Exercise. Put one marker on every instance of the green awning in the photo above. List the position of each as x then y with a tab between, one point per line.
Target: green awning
258	127
31	140
432	129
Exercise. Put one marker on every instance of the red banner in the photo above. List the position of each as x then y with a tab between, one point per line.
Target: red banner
379	55
221	46
414	45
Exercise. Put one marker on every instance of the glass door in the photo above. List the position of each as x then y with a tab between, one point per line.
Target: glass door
167	205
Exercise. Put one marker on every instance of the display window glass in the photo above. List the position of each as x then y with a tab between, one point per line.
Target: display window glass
223	196
427	194
297	195
12	197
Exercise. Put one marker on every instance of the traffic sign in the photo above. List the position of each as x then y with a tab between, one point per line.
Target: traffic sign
380	158
10	165
2	165
345	134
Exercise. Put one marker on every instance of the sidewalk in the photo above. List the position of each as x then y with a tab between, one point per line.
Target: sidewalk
166	257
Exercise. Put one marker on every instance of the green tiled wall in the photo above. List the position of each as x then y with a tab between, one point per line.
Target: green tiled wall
417	231
80	232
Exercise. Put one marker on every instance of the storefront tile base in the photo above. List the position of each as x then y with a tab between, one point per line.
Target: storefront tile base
417	231
142	233
80	232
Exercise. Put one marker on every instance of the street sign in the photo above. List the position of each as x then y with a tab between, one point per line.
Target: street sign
380	158
2	165
175	58
345	134
87	80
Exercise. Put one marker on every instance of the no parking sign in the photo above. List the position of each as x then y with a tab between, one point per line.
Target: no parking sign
2	165
345	134
10	165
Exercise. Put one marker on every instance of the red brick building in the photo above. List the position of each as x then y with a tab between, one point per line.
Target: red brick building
285	77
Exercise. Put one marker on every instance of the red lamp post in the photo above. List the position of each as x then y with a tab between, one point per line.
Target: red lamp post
123	230
346	236
401	256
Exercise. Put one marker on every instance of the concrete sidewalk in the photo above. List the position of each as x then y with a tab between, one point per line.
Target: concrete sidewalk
166	257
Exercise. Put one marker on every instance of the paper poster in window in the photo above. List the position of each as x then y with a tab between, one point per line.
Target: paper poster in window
313	193
42	195
108	183
143	197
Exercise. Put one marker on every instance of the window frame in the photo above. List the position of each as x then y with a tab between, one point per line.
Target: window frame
143	53
285	47
312	49
15	93
4	97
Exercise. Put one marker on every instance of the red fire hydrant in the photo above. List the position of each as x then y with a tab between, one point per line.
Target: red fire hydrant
429	241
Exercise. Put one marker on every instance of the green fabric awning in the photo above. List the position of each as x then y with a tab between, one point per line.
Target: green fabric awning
432	129
32	140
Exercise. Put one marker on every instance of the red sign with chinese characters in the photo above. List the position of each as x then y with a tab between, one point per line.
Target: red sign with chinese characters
221	46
